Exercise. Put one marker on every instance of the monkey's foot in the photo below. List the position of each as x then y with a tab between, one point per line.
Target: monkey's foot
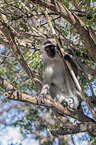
39	99
64	103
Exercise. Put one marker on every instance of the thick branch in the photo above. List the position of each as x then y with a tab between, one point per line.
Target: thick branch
72	129
75	21
14	94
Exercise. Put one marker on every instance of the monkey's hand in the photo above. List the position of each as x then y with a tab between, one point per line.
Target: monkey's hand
44	90
43	93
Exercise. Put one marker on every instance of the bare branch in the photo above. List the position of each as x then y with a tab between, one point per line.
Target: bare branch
72	129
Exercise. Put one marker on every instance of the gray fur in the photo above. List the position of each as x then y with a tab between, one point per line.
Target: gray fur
59	82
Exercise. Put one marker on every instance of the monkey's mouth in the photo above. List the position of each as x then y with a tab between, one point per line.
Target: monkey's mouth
51	54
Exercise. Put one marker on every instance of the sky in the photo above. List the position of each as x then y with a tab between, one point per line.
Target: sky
12	136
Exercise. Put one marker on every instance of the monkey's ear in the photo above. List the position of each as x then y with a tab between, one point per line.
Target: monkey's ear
64	103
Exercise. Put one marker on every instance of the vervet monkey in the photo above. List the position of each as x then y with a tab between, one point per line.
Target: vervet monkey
57	79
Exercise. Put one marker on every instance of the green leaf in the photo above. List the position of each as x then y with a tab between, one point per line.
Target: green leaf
89	23
18	4
88	2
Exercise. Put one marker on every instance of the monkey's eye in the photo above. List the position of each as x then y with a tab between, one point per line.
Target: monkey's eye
71	100
51	47
46	48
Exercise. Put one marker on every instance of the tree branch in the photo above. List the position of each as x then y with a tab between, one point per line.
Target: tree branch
6	30
69	128
88	70
14	94
78	128
75	4
75	21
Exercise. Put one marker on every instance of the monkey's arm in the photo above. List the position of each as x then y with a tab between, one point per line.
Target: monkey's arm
73	65
69	59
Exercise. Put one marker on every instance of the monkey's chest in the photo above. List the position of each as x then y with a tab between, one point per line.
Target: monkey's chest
59	80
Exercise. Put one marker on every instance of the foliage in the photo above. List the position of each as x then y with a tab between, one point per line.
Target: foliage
29	25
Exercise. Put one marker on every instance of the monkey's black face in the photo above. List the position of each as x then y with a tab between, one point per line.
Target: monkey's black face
50	49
